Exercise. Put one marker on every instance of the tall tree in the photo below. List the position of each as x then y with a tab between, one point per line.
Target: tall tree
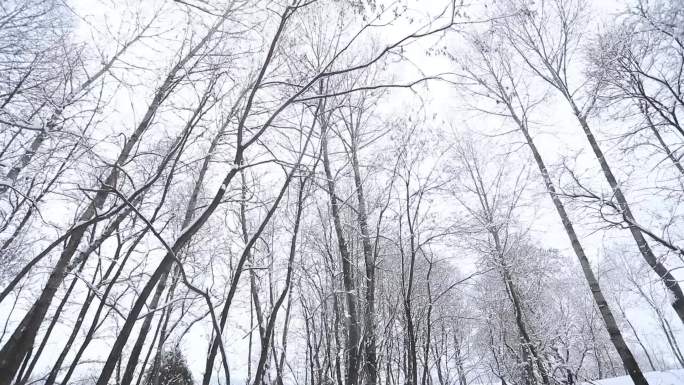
497	79
545	36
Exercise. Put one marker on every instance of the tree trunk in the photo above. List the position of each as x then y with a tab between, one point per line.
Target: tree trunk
353	338
15	349
636	335
628	361
134	356
666	277
94	323
668	152
370	365
268	332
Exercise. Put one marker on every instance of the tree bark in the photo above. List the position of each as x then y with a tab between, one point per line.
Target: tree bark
268	332
353	335
628	361
657	266
16	347
370	365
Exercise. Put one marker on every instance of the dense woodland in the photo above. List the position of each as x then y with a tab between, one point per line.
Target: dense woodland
340	192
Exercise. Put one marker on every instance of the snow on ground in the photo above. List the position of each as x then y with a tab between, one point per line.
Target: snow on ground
670	377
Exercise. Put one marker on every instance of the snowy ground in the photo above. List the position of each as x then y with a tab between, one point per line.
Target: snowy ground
670	377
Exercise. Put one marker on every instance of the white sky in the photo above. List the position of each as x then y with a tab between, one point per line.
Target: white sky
561	137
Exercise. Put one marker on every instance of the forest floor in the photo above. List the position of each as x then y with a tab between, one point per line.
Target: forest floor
669	377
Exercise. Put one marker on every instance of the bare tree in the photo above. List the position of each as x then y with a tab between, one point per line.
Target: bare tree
497	80
548	51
